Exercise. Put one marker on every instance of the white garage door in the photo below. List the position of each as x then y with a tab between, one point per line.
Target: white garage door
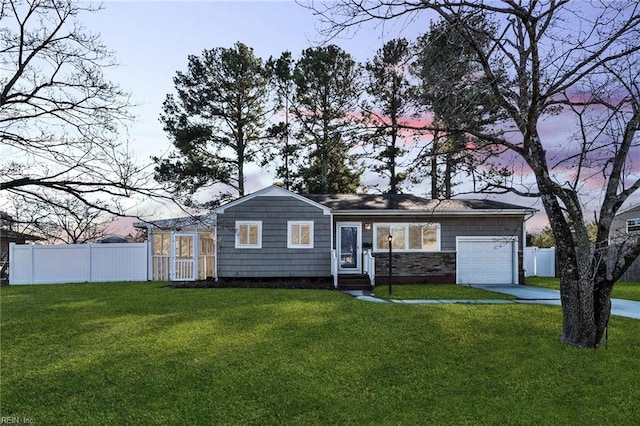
487	260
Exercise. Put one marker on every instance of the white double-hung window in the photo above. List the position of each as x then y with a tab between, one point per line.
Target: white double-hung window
248	234
407	236
299	234
633	225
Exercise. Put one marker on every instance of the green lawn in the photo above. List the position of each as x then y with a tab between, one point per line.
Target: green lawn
436	291
621	290
89	354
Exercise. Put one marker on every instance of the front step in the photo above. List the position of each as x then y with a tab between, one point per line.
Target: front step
354	282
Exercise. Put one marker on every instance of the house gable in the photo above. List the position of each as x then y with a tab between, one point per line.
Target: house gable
273	191
625	229
294	234
625	224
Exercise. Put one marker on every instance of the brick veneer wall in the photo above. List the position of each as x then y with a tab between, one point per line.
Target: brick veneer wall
406	268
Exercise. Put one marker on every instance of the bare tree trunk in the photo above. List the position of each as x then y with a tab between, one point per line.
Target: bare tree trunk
325	170
393	179
578	321
576	279
602	310
447	177
240	180
435	192
240	155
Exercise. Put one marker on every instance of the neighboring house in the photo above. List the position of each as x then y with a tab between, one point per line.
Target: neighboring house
625	228
112	239
278	234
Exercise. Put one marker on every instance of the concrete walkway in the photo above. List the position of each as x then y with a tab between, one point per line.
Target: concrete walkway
524	294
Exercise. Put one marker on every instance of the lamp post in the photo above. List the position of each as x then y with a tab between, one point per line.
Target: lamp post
390	244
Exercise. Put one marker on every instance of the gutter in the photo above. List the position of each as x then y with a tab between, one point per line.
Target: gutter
372	212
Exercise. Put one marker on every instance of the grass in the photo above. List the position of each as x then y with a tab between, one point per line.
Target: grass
88	354
621	290
443	291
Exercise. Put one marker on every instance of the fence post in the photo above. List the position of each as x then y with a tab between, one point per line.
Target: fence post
90	249
11	256
33	265
149	256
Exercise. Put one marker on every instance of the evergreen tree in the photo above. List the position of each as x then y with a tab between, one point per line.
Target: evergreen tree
216	120
453	88
389	88
327	93
281	79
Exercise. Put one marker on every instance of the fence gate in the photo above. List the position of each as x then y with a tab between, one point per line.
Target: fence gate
184	256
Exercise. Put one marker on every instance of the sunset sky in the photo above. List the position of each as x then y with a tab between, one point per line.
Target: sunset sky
152	39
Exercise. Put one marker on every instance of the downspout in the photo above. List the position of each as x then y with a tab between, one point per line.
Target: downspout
331	249
332	231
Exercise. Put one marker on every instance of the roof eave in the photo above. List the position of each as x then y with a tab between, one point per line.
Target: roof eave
483	212
207	220
273	190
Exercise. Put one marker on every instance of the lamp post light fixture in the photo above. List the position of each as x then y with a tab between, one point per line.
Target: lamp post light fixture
390	244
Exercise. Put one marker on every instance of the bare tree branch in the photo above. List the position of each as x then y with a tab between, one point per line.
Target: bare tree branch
60	118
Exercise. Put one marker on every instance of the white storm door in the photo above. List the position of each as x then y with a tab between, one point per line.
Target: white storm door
184	256
349	243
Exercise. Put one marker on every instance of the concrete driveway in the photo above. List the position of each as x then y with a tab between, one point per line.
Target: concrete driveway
523	293
546	296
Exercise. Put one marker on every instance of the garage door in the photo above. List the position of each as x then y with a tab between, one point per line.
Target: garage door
486	260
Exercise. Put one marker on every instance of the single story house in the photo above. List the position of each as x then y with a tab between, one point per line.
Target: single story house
342	238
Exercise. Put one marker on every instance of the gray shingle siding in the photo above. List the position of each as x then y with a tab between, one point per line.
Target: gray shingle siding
479	226
618	234
618	228
274	259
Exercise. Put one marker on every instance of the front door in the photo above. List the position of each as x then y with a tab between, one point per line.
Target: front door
184	257
349	243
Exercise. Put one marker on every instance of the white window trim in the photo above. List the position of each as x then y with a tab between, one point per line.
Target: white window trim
635	219
406	226
248	222
290	224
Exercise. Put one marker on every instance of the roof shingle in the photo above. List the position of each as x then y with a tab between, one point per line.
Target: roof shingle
406	202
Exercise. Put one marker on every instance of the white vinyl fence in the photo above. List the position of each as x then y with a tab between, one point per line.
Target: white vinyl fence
539	262
66	263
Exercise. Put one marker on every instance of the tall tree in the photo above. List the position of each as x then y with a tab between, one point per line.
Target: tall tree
453	88
59	115
327	93
281	78
216	121
389	88
581	59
